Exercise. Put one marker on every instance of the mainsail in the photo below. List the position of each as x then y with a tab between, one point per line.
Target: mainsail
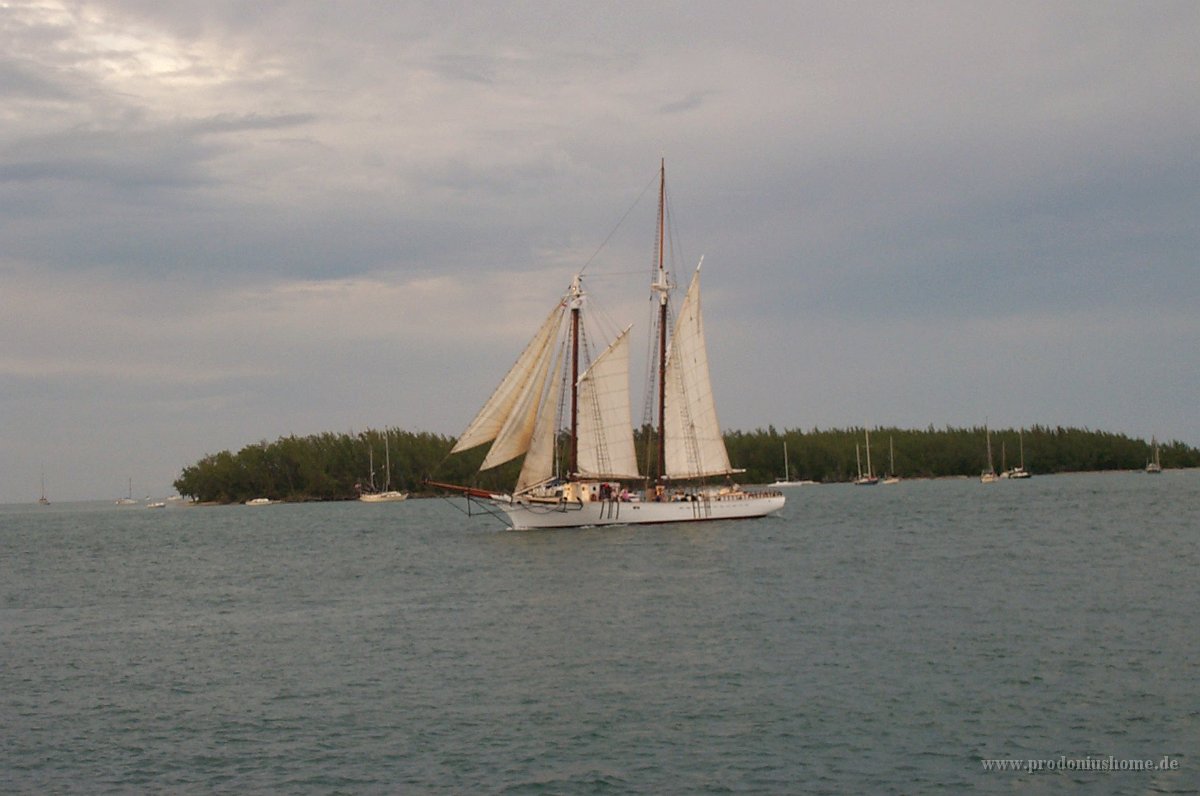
694	447
606	447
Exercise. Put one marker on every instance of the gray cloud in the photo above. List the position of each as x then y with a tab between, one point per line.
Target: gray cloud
221	222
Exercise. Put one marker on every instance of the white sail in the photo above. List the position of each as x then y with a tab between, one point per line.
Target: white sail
515	385
515	435
605	447
694	446
538	466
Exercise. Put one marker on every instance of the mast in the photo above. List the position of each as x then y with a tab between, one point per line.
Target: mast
661	287
387	458
576	305
869	473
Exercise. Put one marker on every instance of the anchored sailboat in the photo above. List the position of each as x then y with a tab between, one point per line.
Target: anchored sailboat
128	500
1019	472
387	494
522	418
988	476
867	478
1154	467
891	477
787	473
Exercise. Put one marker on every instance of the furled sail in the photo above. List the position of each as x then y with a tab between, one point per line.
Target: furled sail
605	448
694	446
513	406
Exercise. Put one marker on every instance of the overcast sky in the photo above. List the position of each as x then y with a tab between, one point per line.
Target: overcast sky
224	222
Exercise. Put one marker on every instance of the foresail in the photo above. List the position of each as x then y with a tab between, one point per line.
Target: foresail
605	448
694	446
495	413
538	466
515	435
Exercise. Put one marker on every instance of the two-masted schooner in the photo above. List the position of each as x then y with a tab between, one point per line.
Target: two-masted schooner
597	481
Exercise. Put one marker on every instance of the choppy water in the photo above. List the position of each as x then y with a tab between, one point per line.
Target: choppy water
868	640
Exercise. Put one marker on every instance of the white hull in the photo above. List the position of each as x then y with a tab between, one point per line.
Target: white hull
383	497
524	516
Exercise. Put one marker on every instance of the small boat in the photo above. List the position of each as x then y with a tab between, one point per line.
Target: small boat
1019	472
988	476
891	477
43	500
387	494
127	500
1154	466
787	473
157	504
595	480
867	478
262	501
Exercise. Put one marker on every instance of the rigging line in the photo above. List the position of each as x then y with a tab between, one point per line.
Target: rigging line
621	222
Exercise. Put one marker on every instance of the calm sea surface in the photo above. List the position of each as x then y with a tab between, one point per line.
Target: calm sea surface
889	639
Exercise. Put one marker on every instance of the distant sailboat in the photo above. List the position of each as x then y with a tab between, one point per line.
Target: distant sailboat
45	501
1154	466
868	478
128	500
1019	472
387	494
787	472
891	477
988	476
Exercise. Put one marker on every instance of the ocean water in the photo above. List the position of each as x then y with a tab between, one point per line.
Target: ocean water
889	639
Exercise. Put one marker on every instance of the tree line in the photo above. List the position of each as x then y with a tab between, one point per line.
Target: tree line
333	466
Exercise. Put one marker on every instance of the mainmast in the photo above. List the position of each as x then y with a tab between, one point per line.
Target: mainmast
662	288
576	306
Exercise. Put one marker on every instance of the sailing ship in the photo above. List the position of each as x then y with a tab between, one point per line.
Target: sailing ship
1154	466
43	500
589	485
988	476
387	494
867	478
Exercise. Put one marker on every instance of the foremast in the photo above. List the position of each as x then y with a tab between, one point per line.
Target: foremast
575	297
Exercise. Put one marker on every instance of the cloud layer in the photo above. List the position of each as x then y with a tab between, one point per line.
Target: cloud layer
221	223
